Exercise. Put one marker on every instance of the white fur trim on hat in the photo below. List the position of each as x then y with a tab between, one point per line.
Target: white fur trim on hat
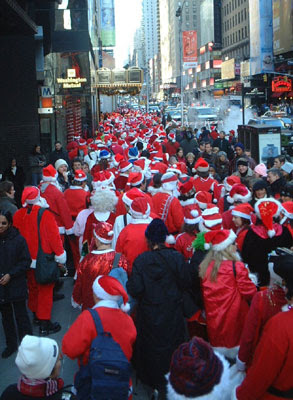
222	246
211	211
100	292
212	222
239	197
240	214
103	240
136	214
193	221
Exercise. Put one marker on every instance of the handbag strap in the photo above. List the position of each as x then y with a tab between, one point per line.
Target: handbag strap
97	321
40	214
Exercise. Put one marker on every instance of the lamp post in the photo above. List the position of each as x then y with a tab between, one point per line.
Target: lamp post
179	16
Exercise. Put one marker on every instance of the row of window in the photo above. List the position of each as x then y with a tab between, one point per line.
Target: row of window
235	20
232	5
235	37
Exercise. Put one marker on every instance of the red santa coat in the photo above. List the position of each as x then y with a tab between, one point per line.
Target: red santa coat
184	245
77	200
120	207
227	221
226	305
77	341
27	224
170	211
58	205
98	262
273	361
241	236
264	305
205	184
171	147
94	218
132	242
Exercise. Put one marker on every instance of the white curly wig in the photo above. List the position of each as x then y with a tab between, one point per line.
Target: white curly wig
104	200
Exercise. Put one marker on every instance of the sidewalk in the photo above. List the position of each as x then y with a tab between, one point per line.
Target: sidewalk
65	315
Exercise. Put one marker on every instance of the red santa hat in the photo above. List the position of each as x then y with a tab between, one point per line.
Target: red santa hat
211	219
172	137
125	166
219	240
230	181
102	179
130	195
140	208
232	132
191	214
169	181
203	198
106	287
183	168
267	210
201	165
49	173
287	211
104	232
159	155
80	175
186	187
140	164
176	168
117	159
239	193
30	195
135	179
243	211
82	142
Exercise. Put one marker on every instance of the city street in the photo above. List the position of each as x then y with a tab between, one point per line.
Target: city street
65	315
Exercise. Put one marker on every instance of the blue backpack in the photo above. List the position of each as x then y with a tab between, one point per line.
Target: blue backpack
107	374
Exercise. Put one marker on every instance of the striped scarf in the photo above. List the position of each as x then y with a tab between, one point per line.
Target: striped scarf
39	387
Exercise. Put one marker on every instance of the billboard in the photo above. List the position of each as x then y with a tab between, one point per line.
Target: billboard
189	41
228	69
283	26
107	15
261	36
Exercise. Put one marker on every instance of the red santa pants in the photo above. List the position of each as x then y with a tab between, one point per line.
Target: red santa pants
40	297
74	245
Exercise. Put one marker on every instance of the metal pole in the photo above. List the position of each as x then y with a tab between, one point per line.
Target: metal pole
147	90
181	61
243	109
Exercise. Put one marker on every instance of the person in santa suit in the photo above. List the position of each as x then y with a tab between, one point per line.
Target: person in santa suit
226	291
97	262
238	194
270	375
223	203
40	300
56	200
192	217
287	215
120	181
76	197
187	192
122	221
131	241
203	181
264	236
202	199
265	304
167	206
197	372
103	202
171	146
77	341
241	217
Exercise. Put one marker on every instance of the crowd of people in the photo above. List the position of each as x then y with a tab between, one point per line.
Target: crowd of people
174	238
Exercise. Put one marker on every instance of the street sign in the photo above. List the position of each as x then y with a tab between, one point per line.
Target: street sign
46	91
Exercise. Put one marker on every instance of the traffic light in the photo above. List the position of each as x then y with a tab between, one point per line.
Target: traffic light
265	78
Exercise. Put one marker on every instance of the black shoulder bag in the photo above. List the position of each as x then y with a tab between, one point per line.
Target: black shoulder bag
47	270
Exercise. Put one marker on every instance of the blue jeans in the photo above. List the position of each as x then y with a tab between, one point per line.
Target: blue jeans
36	178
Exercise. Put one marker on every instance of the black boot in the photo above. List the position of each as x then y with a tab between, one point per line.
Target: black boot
47	327
36	320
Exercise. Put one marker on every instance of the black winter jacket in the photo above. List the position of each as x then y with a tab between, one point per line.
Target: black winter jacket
157	281
14	260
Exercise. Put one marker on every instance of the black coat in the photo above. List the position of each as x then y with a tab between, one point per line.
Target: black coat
157	281
57	155
14	260
255	251
17	179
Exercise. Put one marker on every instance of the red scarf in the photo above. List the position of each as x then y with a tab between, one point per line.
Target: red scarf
39	387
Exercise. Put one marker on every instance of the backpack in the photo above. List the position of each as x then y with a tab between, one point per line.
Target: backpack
107	374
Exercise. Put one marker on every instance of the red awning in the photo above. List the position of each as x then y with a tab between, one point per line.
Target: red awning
277	94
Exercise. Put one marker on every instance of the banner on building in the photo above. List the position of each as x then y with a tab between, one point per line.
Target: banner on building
228	69
283	26
261	36
107	23
189	40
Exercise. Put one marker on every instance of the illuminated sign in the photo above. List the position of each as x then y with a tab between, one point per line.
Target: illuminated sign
281	84
70	83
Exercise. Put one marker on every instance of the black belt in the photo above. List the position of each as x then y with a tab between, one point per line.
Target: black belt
288	394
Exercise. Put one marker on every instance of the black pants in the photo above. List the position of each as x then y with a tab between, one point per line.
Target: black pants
8	311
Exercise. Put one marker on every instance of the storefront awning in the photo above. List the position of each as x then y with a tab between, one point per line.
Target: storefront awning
277	94
290	94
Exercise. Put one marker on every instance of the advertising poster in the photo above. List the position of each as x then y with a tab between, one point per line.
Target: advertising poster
189	40
283	26
269	146
107	23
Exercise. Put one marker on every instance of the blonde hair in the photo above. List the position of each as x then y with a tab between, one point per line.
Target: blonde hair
217	256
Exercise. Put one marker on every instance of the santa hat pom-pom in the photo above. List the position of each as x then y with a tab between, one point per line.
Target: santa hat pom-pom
110	233
215	201
125	307
253	278
271	233
194	213
170	239
230	200
207	246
